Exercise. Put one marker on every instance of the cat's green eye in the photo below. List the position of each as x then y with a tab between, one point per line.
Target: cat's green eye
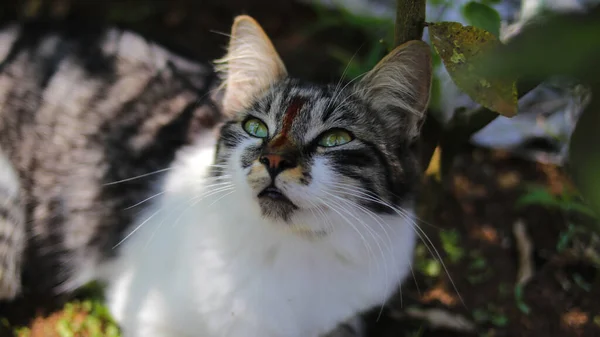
255	127
335	138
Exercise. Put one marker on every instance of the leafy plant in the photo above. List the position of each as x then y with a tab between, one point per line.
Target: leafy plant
491	315
479	270
483	16
568	201
425	264
87	317
451	245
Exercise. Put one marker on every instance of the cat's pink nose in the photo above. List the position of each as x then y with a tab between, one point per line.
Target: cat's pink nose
276	163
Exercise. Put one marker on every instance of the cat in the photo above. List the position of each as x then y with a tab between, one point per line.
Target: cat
288	214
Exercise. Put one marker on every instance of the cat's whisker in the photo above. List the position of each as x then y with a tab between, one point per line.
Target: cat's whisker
439	258
369	230
344	87
223	183
224	178
373	216
361	236
160	225
218	170
335	91
324	215
143	201
195	200
312	211
382	225
221	33
369	193
221	197
419	231
189	204
137	228
138	177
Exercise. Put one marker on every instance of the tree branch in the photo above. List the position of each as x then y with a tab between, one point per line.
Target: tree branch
410	20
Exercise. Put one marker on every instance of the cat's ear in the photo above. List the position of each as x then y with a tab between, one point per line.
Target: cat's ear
398	87
250	67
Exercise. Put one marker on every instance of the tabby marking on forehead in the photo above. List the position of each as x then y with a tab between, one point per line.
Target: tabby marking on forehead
288	119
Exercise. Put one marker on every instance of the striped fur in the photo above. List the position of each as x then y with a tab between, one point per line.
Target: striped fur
12	231
81	107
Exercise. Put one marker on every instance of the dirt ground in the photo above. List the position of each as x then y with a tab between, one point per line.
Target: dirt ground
470	217
478	203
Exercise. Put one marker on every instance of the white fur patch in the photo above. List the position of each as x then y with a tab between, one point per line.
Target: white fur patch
8	177
214	267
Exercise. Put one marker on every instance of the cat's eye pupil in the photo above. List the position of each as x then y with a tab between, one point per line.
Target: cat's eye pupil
335	138
256	128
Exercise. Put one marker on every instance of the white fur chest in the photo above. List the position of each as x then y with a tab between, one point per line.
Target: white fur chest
213	267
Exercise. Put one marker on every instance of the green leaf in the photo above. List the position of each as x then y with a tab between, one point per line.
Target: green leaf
538	195
483	16
499	320
63	328
451	245
523	307
584	154
459	47
480	315
565	44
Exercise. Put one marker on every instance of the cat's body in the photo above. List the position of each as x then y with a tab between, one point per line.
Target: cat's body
78	110
290	218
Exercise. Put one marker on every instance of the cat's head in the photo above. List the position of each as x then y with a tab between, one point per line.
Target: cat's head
298	148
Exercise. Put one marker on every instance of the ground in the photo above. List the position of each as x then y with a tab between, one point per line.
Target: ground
481	217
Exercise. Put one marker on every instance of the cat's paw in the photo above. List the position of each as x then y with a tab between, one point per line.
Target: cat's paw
351	328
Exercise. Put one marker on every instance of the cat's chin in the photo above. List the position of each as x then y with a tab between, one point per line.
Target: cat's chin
275	205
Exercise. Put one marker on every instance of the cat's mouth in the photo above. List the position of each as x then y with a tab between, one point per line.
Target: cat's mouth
275	194
275	204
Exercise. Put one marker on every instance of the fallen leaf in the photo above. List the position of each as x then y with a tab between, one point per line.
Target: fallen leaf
458	47
439	318
434	165
464	188
508	180
575	318
439	293
525	250
486	233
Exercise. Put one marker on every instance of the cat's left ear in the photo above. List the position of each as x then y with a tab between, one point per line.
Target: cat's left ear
250	67
398	87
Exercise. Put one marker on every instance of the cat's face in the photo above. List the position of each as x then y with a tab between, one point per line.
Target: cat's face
303	147
299	148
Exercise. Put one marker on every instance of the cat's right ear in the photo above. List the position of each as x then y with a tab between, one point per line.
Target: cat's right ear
250	67
399	86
